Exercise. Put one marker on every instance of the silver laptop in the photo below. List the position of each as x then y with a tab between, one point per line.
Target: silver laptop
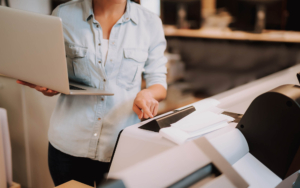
32	49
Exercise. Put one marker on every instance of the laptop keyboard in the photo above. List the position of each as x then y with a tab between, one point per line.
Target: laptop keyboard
75	88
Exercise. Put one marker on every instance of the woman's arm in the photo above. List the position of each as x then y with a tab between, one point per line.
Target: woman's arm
146	102
44	90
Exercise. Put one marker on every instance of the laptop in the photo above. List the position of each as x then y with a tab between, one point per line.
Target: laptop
32	49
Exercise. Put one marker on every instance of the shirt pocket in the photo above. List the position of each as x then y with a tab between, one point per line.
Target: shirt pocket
131	68
78	69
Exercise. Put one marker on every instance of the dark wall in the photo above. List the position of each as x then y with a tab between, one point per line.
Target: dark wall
214	65
245	14
293	15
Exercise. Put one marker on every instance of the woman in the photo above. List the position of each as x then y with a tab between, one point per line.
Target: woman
108	44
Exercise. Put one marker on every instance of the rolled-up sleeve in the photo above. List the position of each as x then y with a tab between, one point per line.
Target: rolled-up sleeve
155	67
55	12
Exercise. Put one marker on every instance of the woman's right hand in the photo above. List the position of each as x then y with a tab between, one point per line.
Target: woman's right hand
44	90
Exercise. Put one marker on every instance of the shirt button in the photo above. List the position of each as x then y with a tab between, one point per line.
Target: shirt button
102	99
127	18
99	119
104	80
95	134
99	61
99	44
97	26
110	59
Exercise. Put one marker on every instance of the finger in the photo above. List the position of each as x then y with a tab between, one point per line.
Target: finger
20	82
40	88
145	116
46	93
155	110
146	111
152	108
142	115
51	91
137	111
25	83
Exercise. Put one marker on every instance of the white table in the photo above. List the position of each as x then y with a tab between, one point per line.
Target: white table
136	145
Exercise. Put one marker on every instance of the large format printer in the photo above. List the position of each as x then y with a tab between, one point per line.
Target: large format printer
138	149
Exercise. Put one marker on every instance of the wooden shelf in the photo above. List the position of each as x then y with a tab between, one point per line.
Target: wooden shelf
267	35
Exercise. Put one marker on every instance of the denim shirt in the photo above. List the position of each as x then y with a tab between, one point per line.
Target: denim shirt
88	126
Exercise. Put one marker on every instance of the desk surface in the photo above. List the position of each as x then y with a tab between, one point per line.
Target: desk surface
268	35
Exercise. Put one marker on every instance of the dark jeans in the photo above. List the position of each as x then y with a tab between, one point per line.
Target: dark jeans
64	167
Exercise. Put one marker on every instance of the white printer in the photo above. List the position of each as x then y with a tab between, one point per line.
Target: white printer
261	149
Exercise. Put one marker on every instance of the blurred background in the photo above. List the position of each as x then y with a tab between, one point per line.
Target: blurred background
212	46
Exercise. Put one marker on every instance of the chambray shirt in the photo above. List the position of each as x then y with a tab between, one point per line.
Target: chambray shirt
88	126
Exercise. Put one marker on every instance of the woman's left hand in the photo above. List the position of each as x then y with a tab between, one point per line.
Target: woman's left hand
145	105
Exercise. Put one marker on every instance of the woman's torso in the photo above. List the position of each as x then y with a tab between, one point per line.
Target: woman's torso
87	126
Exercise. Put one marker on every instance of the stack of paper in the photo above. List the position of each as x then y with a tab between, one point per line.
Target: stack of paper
206	118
